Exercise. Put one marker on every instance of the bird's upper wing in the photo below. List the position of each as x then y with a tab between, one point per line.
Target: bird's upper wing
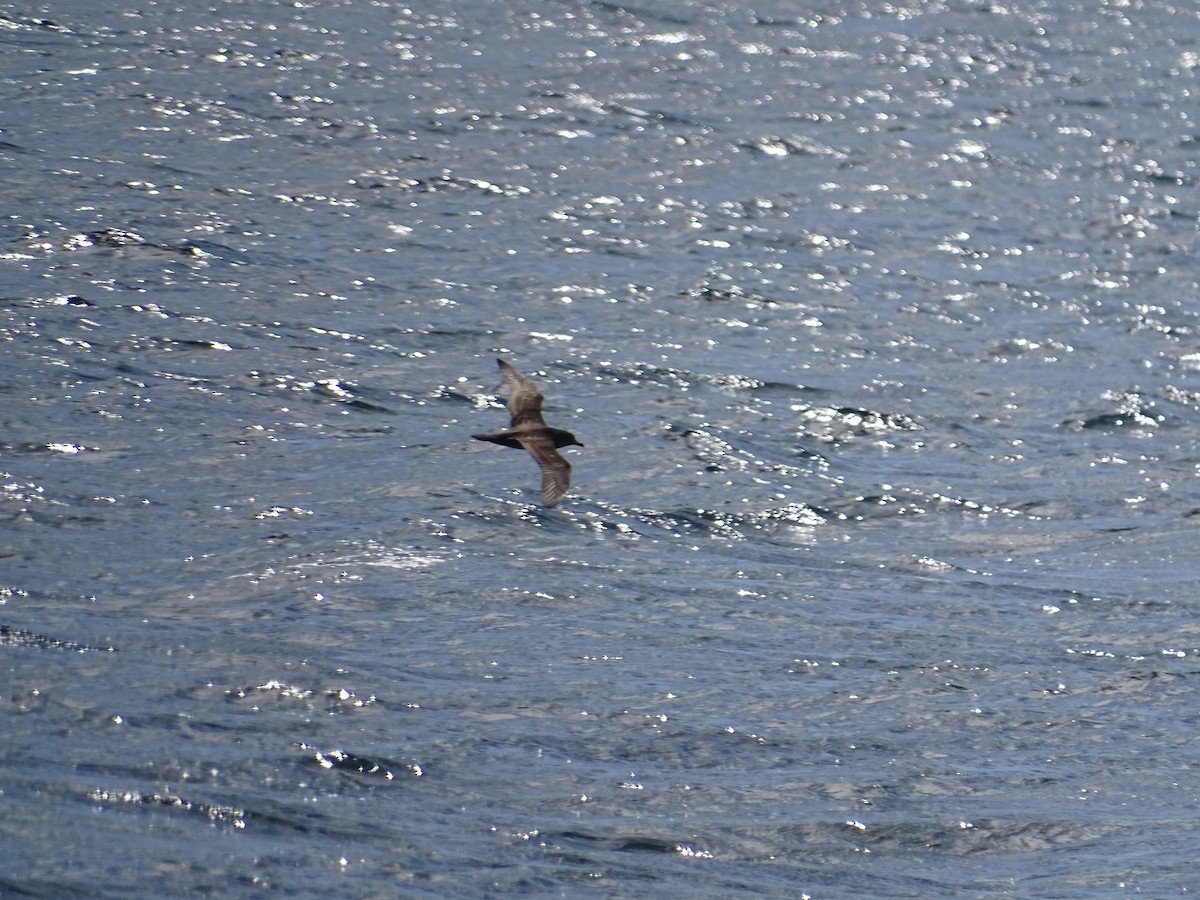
556	471
524	399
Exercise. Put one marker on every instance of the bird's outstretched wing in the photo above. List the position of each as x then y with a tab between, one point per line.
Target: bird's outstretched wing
556	471
524	399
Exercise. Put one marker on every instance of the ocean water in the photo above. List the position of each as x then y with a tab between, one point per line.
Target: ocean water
879	322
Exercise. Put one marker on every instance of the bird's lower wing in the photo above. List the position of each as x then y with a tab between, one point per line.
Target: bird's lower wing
556	471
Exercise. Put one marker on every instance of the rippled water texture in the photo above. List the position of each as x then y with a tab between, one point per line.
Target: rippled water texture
877	575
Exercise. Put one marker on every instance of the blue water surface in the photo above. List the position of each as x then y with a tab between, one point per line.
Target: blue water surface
877	576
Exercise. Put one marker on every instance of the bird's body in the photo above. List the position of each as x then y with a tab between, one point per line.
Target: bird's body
529	431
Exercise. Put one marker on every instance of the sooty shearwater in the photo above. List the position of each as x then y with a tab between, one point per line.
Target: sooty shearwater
529	431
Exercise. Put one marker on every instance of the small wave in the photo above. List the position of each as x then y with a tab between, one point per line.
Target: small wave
18	637
218	814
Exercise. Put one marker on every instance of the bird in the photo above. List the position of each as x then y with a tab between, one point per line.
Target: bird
529	431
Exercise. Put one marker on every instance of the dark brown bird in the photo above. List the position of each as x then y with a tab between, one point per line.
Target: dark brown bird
529	431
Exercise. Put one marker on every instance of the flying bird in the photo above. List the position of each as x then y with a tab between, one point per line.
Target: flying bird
529	431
